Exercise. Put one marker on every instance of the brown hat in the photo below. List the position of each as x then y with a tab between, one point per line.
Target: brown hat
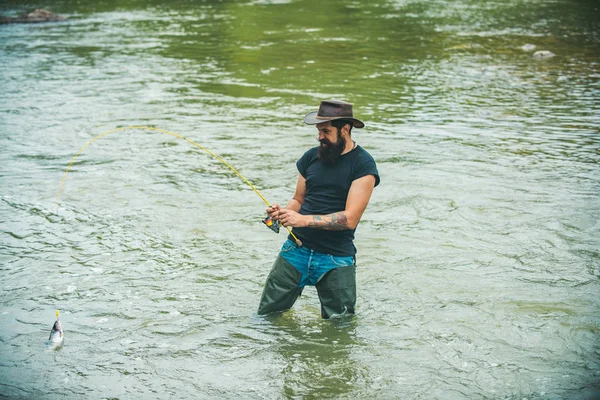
330	110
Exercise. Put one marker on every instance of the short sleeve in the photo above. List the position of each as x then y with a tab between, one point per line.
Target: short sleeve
367	167
304	161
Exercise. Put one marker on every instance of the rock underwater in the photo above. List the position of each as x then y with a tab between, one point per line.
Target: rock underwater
543	54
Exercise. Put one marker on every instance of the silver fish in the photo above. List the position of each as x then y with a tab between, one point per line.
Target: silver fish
56	335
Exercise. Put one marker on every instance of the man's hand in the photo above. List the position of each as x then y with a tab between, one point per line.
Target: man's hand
291	218
273	211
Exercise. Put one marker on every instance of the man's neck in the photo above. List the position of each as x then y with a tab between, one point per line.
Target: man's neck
350	145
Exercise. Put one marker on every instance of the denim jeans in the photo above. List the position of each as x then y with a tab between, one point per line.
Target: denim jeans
312	264
295	267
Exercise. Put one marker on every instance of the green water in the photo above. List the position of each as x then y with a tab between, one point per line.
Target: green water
479	258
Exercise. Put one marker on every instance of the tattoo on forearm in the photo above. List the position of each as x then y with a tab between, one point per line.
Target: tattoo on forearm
333	222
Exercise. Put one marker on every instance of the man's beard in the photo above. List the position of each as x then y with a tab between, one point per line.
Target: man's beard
329	152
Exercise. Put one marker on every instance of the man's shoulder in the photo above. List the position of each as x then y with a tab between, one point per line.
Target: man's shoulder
363	155
312	151
307	159
310	154
366	164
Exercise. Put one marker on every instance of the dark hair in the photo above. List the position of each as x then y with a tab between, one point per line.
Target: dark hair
339	123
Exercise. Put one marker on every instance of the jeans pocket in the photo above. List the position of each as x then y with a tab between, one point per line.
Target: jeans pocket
342	261
288	245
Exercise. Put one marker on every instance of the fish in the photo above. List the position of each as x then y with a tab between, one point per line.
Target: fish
57	336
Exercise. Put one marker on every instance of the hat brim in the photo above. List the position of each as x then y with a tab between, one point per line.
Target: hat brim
311	119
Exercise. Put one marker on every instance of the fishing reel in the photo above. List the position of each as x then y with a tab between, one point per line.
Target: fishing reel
274	226
271	224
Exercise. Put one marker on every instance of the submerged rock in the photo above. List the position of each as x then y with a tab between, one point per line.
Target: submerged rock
543	54
38	15
528	47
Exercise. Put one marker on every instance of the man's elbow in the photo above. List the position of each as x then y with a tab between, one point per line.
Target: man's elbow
352	220
299	199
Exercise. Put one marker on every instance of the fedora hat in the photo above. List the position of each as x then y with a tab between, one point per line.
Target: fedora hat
330	110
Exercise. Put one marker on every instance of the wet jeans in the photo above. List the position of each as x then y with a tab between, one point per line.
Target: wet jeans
312	264
295	267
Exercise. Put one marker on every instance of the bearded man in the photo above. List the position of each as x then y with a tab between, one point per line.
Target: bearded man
335	182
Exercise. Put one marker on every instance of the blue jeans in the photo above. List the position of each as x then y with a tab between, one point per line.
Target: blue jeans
312	264
295	267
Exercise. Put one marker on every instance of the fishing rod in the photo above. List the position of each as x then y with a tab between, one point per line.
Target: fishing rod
271	224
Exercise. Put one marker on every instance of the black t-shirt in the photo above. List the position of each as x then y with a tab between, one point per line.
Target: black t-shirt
327	189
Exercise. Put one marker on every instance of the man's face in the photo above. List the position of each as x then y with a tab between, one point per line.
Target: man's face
332	143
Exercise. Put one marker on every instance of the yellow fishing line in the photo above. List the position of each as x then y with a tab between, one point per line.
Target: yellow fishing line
149	128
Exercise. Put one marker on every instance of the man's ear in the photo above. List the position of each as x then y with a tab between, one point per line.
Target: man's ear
346	129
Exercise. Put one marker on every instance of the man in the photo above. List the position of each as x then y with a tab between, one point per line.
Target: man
335	183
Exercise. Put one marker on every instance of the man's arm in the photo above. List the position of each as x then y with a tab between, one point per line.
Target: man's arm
295	203
358	198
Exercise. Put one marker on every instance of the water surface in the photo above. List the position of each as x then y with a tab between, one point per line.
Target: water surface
478	254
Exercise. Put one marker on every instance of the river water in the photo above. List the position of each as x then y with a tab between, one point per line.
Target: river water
478	255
